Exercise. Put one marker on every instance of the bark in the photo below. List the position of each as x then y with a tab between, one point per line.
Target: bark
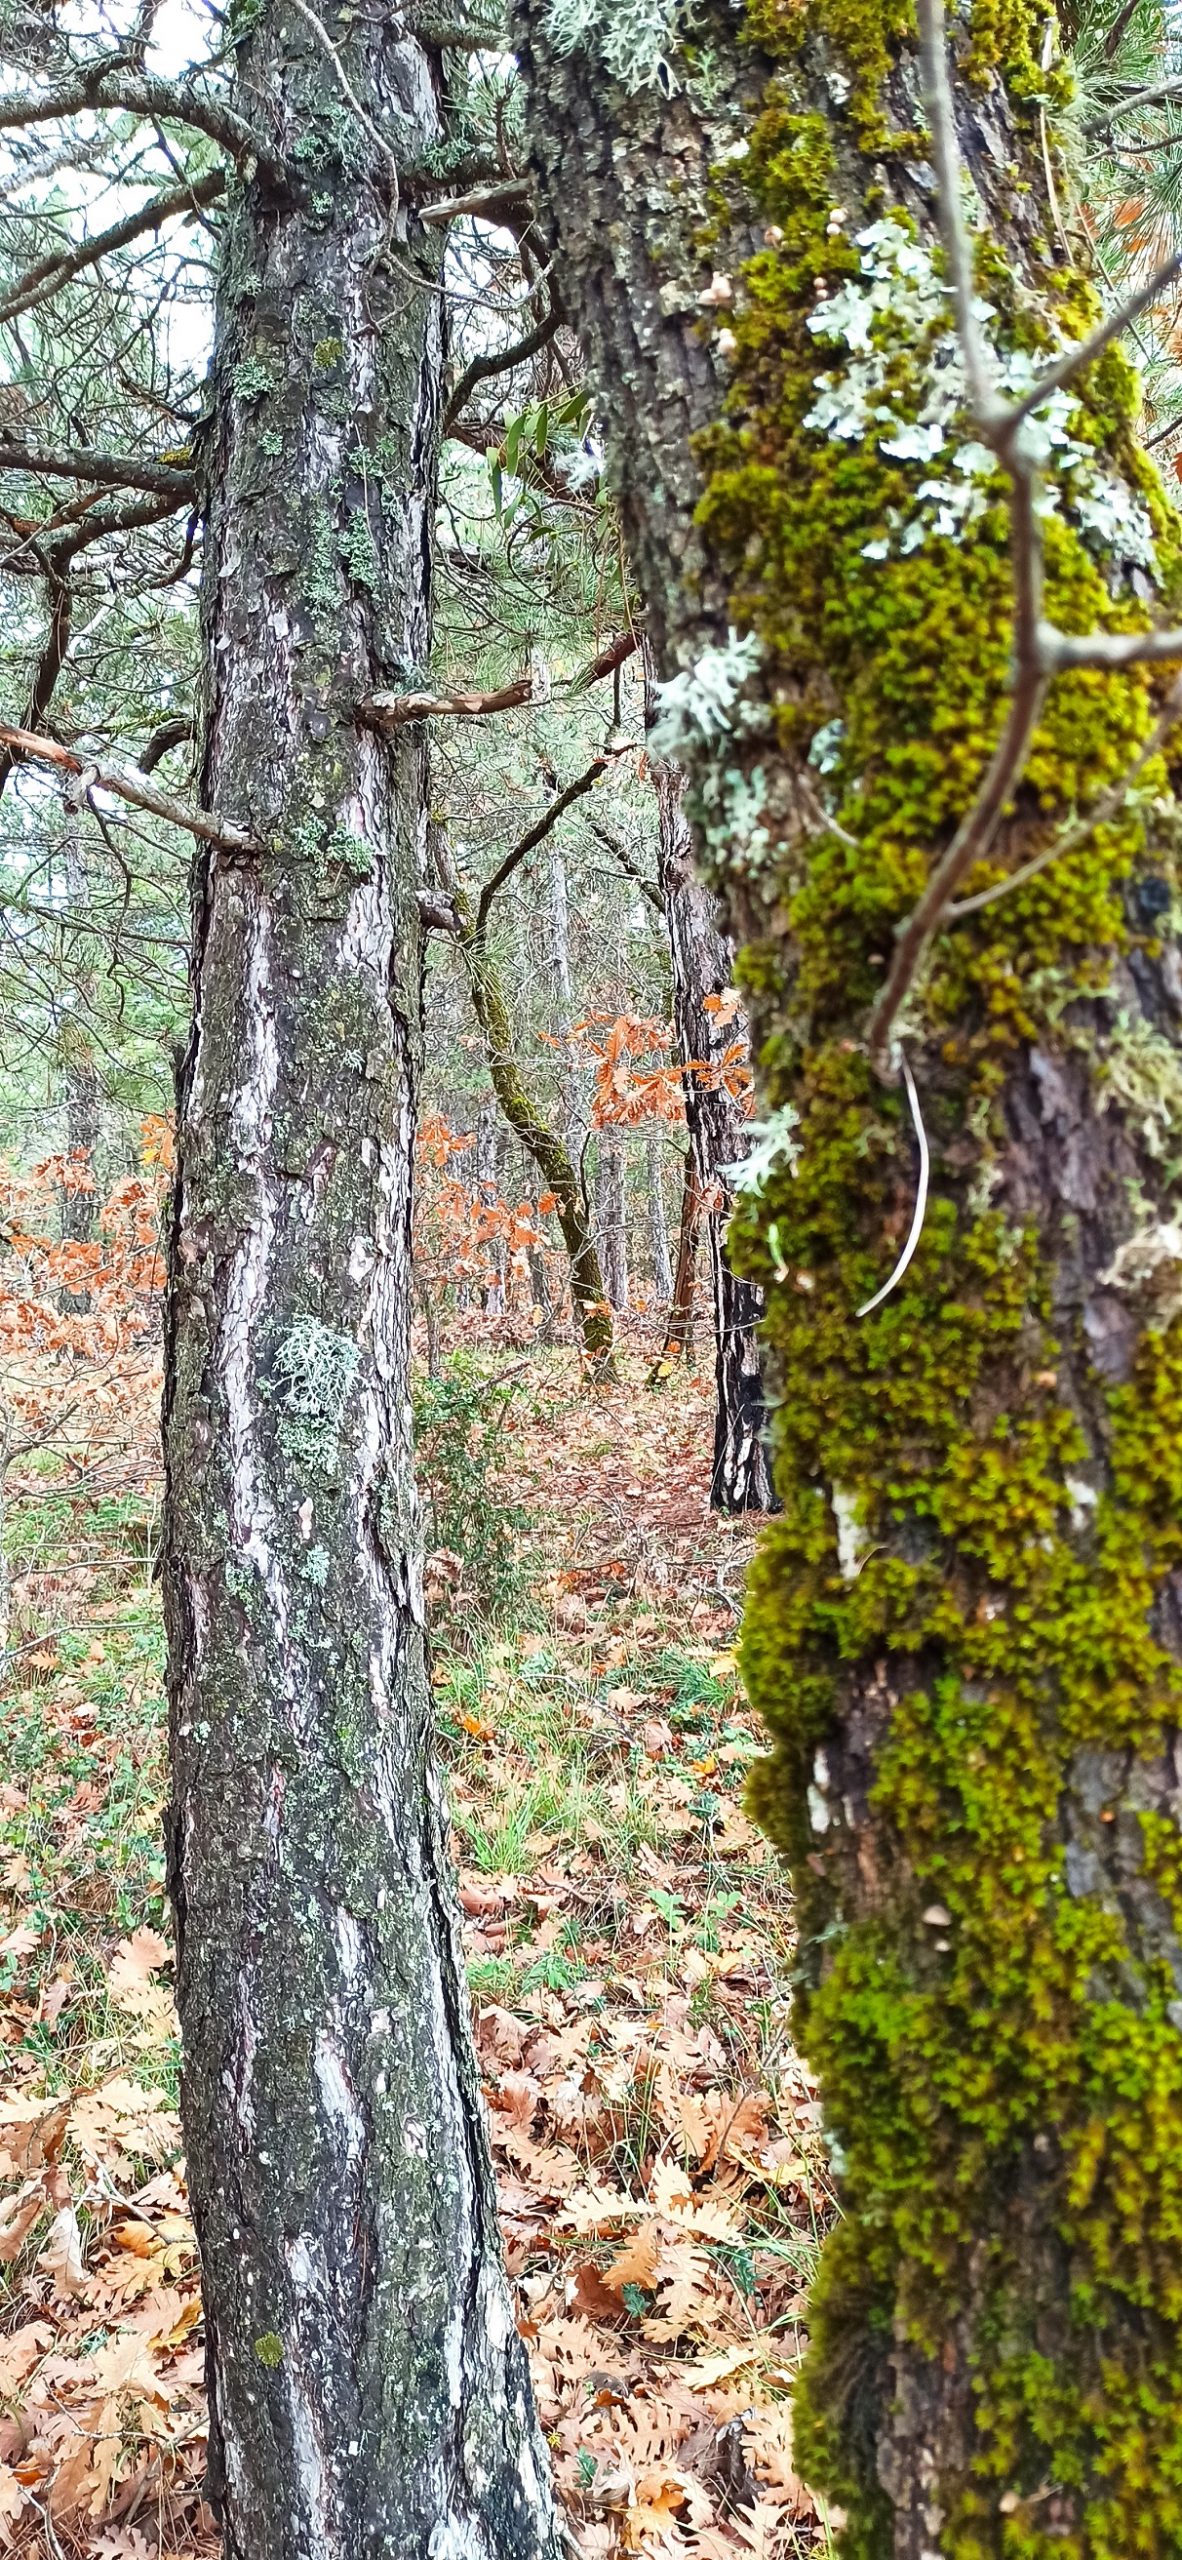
368	2390
611	1216
574	1101
83	1093
703	965
965	1632
679	1331
488	1133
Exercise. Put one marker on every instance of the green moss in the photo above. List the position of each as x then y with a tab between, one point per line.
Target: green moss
1004	2075
269	2350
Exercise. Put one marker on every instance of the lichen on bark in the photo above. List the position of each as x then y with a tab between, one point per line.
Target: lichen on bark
369	2394
964	1632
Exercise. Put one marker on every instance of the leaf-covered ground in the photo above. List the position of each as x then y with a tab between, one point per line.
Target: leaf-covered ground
662	2177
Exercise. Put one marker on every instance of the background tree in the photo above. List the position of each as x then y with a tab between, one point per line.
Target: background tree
903	582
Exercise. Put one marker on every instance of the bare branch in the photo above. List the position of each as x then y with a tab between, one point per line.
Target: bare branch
391	711
1086	350
504	360
175	732
106	470
128	784
537	834
175	102
1109	649
46	279
512	195
957	245
52	658
1041	651
632	870
1070	838
1107	116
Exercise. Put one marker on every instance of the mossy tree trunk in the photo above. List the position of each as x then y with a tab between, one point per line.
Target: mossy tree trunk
368	2390
965	1632
703	968
592	1309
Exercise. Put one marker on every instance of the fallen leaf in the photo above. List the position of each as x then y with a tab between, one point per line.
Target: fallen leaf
637	2263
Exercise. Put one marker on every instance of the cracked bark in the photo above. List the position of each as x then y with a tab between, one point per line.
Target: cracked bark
369	2394
703	965
1023	2269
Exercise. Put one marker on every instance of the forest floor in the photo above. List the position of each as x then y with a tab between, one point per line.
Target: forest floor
657	2140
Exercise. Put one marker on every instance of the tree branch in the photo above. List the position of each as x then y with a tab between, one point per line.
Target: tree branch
106	470
510	195
536	835
1041	651
388	712
173	102
1106	117
304	10
506	360
631	869
41	282
52	658
174	732
128	784
1070	838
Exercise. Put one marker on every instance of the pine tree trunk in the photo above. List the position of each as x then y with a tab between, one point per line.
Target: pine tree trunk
965	1632
79	1209
592	1310
679	1331
703	966
368	2390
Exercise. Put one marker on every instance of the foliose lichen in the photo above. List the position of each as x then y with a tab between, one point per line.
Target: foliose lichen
955	1629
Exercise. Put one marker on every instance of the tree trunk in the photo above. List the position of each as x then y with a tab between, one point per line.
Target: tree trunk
79	1208
611	1216
658	1230
703	966
966	1630
368	2390
679	1330
574	1126
488	1132
592	1309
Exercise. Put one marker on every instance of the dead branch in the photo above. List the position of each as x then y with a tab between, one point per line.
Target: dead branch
128	784
106	470
174	102
41	282
391	711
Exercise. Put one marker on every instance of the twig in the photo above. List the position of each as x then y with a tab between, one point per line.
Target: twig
1073	836
1041	650
175	102
921	1200
304	10
1104	120
128	784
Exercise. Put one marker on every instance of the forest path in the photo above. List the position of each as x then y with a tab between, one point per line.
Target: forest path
662	2176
